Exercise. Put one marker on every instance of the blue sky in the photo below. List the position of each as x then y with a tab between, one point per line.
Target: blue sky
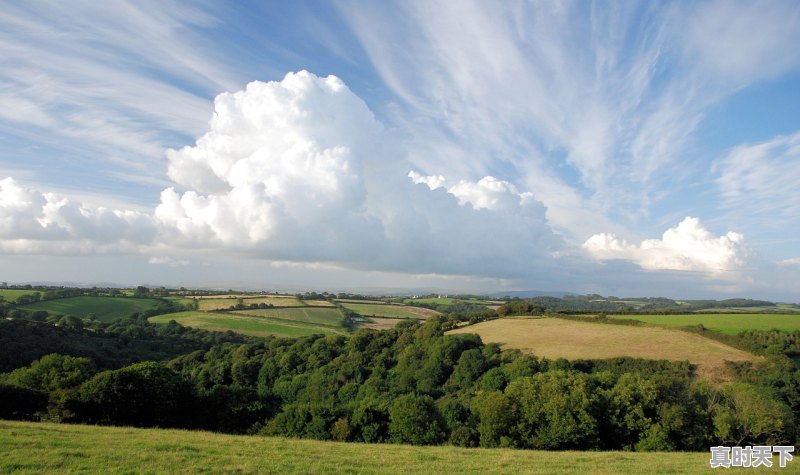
626	148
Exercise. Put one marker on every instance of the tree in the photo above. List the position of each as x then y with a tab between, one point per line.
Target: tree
414	420
144	394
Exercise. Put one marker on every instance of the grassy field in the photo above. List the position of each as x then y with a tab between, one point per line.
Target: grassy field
559	338
107	309
395	311
319	303
34	448
244	324
331	317
730	323
210	305
10	295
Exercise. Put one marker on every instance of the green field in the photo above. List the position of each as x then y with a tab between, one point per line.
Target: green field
107	309
34	448
330	317
10	295
244	324
395	311
729	323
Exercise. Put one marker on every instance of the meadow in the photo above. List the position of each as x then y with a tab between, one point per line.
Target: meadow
106	309
560	338
34	448
728	323
388	310
245	324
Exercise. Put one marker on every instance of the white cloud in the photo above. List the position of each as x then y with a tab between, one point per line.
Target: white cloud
762	180
31	221
686	247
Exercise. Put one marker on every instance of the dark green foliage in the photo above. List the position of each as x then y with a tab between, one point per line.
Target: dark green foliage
144	394
21	403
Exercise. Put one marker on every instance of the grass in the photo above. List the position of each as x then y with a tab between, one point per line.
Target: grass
394	311
107	309
559	338
330	317
34	448
730	323
243	324
10	295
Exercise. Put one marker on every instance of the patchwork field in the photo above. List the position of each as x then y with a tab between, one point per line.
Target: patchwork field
244	324
107	309
35	448
394	311
321	316
225	303
559	338
730	323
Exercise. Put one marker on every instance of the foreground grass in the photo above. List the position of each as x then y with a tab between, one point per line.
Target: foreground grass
559	338
27	447
730	323
106	309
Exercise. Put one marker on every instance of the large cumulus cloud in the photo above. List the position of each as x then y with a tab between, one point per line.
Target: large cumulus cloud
299	170
689	246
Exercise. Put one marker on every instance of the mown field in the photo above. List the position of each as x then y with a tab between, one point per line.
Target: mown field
559	338
107	309
34	448
730	323
331	317
10	295
244	324
387	310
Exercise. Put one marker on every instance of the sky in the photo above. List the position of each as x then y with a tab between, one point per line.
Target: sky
621	148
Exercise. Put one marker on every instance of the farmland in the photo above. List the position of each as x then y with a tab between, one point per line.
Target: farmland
244	324
106	309
392	311
729	323
211	304
27	447
331	317
558	338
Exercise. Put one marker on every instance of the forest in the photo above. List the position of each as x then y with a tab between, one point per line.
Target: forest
412	384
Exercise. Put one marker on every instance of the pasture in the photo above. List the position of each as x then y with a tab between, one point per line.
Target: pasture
244	324
10	295
729	323
558	338
35	448
391	311
106	309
